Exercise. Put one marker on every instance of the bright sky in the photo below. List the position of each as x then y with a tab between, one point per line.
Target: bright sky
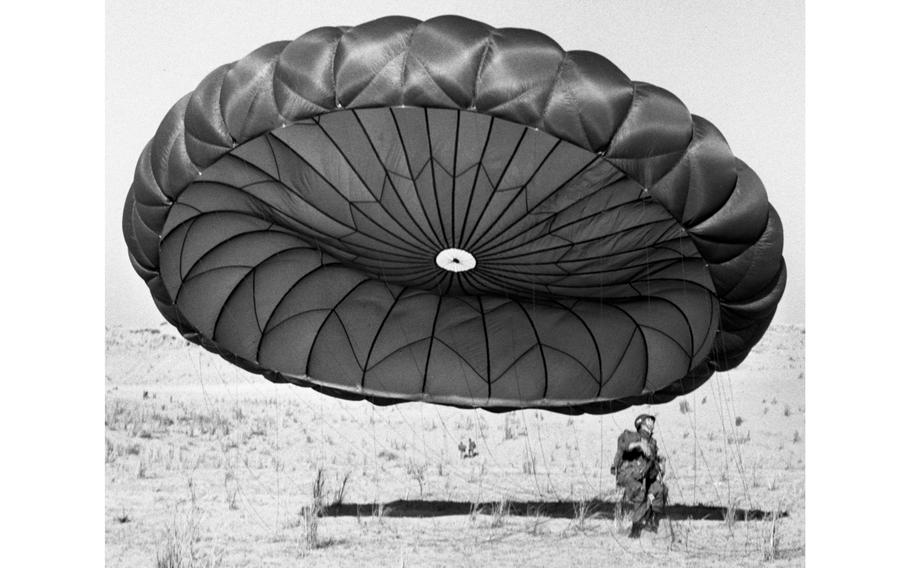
740	64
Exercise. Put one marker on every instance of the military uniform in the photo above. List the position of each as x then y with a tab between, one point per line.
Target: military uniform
638	474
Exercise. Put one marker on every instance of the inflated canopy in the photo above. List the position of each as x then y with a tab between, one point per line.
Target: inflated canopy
448	212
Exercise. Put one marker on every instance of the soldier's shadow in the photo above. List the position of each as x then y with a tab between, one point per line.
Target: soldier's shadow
552	509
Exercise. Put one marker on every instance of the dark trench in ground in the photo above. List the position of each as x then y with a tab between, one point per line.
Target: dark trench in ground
553	509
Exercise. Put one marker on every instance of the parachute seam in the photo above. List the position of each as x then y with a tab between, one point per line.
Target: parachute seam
268	205
541	119
366	185
340	194
767	289
511	365
503	286
495	188
418	61
188	206
466	363
614	299
708	337
269	230
220	109
432	160
230	134
480	165
180	271
743	241
261	83
268	142
750	241
486	343
253	266
366	364
685	152
621	358
296	234
671	338
334	58
273	65
185	132
644	342
574	358
451	276
426	367
294	316
399	349
388	175
522	190
633	104
595	272
207	121
573	97
488	43
269	327
254	296
483	276
523	293
434	274
135	215
142	186
376	75
455	169
751	264
347	334
166	140
252	272
554	214
543	358
404	62
593	239
467	278
407	159
399	271
184	274
551	230
594	342
318	333
691	352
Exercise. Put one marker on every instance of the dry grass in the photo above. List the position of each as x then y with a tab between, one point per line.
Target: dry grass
259	455
417	472
500	514
583	512
311	512
182	545
771	549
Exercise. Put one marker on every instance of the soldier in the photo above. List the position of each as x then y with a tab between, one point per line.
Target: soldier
639	472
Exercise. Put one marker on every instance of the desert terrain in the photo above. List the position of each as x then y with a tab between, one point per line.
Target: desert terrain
207	465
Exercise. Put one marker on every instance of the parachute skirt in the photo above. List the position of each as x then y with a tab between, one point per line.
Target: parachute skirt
447	212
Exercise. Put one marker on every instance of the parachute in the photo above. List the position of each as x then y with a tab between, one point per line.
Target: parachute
447	212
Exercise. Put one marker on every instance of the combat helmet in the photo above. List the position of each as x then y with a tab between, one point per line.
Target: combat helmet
641	418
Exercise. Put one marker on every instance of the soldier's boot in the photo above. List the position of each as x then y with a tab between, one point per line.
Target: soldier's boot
653	522
636	530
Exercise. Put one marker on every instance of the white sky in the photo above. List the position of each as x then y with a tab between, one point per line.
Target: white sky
740	64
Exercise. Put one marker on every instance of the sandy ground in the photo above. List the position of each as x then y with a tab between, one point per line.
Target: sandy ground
213	466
